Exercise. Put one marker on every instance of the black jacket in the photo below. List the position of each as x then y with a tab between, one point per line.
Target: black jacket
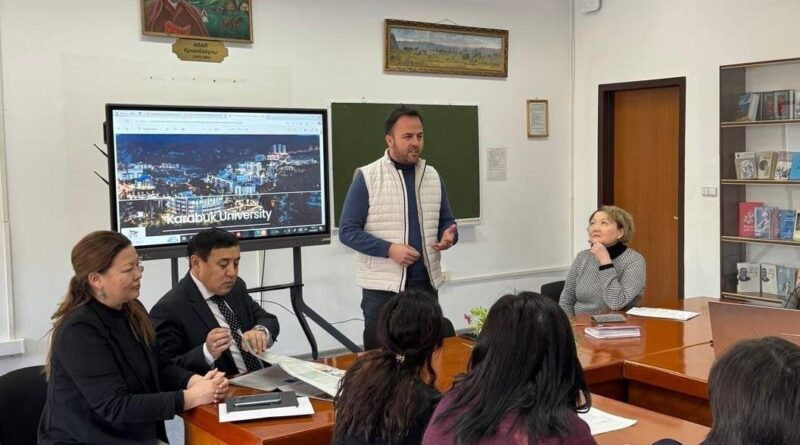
105	387
182	320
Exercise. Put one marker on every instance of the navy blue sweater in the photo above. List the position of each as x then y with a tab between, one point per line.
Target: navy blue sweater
354	216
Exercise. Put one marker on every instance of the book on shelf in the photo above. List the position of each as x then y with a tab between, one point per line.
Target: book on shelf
747	218
767	106
787	277
783	165
794	173
784	104
746	165
769	279
786	223
796	236
748	107
797	281
796	108
749	277
765	220
766	164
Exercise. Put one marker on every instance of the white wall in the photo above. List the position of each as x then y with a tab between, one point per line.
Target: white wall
631	40
62	60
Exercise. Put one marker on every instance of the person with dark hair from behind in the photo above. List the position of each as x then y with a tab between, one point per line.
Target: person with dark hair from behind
209	320
107	383
387	396
754	390
524	383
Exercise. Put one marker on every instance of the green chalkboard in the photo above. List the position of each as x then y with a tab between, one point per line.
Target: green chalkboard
451	145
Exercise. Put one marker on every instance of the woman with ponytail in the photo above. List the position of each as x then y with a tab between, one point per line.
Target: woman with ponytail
106	382
387	396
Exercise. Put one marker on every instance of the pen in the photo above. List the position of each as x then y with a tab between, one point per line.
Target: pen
258	402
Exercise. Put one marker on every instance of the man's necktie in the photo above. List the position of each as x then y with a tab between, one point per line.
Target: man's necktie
250	361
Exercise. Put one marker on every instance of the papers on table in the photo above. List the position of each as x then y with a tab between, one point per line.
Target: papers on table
602	422
323	377
303	408
274	377
662	313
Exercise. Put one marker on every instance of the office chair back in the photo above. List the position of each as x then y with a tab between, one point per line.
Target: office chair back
553	290
22	396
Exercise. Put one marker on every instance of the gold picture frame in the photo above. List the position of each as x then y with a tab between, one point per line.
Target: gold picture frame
538	111
433	48
231	23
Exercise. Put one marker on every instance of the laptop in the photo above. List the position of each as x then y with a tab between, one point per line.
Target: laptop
732	322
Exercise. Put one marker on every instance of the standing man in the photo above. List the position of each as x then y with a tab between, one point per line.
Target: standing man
209	320
397	217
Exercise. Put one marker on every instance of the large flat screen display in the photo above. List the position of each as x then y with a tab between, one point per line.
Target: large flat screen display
259	173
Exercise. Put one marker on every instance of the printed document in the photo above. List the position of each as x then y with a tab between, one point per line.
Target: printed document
602	422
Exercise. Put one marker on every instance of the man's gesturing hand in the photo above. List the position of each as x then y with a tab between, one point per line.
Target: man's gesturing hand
403	254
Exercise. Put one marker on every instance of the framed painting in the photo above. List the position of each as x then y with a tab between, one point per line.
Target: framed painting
228	20
419	47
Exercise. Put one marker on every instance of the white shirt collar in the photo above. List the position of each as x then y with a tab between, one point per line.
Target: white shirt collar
201	287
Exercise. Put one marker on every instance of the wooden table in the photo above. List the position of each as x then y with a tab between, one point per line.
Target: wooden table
651	426
603	360
673	382
202	426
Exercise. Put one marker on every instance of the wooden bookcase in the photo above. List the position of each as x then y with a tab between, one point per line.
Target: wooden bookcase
772	135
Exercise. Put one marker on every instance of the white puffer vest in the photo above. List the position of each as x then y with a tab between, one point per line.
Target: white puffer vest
387	219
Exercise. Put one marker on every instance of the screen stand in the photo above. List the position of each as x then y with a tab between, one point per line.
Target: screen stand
301	310
173	262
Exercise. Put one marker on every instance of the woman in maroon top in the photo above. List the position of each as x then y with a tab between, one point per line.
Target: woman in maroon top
524	385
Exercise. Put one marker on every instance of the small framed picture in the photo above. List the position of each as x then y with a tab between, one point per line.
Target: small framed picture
538	119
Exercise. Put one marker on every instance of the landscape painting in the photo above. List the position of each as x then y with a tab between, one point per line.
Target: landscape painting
228	20
420	47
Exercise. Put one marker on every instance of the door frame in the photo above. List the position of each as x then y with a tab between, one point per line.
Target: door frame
605	148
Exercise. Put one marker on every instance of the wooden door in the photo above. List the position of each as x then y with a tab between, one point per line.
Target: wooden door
646	183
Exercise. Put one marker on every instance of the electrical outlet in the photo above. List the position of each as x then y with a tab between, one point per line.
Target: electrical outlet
708	191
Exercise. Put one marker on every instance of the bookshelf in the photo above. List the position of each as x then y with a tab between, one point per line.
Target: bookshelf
757	135
758	182
759	123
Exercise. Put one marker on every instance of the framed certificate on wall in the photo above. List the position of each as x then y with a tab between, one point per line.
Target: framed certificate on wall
538	119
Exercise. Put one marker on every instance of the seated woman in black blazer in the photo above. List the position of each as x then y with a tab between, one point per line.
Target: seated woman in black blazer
106	382
387	396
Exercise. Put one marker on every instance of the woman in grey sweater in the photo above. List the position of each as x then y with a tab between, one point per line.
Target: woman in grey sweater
609	275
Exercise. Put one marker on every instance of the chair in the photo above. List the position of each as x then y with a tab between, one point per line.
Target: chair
448	330
553	290
22	396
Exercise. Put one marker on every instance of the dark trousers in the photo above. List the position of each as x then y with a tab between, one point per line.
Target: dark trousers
372	302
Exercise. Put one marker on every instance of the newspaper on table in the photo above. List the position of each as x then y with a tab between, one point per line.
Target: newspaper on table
323	377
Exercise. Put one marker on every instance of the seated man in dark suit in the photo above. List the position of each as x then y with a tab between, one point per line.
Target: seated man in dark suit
209	320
